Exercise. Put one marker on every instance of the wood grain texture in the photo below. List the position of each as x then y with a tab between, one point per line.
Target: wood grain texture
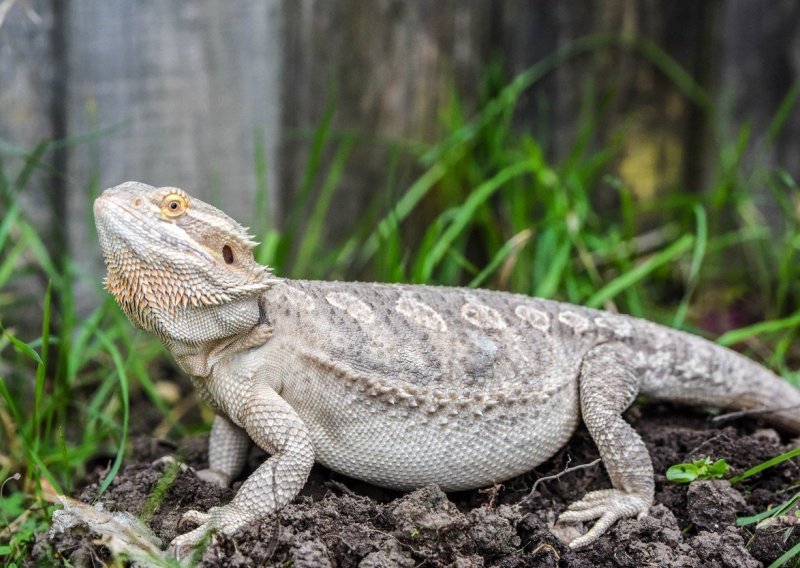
187	86
760	64
29	87
390	67
663	139
27	81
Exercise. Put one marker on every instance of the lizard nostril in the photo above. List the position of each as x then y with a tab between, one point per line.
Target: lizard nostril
137	202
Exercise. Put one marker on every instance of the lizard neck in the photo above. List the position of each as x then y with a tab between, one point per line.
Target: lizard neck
198	358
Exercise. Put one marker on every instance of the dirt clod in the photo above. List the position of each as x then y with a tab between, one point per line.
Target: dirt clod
712	504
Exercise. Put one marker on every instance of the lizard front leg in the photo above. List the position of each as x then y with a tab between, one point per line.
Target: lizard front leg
276	427
608	385
227	452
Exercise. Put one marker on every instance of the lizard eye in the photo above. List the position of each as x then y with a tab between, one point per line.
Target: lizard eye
227	254
174	205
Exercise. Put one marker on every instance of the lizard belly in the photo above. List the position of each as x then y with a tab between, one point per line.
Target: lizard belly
403	447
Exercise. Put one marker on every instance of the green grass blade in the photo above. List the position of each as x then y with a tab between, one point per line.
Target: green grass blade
22	347
548	285
400	211
267	250
122	376
773	512
31	162
673	70
64	454
699	253
465	214
432	234
9	264
630	278
320	141
40	253
79	353
786	556
312	237
766	465
9	221
512	245
12	407
43	470
764	327
163	485
509	95
782	114
41	370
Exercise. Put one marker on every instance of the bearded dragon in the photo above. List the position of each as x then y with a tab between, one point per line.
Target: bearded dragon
398	385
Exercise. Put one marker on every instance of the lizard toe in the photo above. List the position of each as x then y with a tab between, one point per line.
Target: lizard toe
226	519
583	514
183	544
600	527
194	517
607	506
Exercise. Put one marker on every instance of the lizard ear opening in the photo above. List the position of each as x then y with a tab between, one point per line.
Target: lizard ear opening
227	254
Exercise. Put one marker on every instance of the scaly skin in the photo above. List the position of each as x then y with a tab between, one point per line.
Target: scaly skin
398	385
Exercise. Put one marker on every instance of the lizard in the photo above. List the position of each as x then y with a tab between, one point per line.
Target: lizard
401	386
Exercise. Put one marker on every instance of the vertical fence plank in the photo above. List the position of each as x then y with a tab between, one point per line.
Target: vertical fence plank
27	76
184	92
658	118
185	88
760	64
388	68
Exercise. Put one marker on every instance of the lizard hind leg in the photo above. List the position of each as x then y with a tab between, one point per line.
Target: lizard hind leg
227	452
608	385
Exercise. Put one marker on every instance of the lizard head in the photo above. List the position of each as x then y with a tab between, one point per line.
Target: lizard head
174	261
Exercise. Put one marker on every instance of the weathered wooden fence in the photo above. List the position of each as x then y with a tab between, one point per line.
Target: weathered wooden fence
197	93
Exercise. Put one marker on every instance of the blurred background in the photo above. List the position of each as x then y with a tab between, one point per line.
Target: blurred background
633	155
225	99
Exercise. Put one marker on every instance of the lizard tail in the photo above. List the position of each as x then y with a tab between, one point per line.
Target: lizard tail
691	370
775	399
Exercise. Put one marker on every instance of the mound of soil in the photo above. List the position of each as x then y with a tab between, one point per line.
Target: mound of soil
337	521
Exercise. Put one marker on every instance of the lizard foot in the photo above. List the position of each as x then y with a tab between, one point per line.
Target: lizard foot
226	519
193	517
214	476
607	506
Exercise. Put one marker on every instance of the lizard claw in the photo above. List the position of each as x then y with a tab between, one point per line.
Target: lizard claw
183	544
607	506
226	519
194	517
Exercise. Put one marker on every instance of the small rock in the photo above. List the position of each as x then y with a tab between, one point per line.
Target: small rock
310	554
390	556
726	549
427	509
